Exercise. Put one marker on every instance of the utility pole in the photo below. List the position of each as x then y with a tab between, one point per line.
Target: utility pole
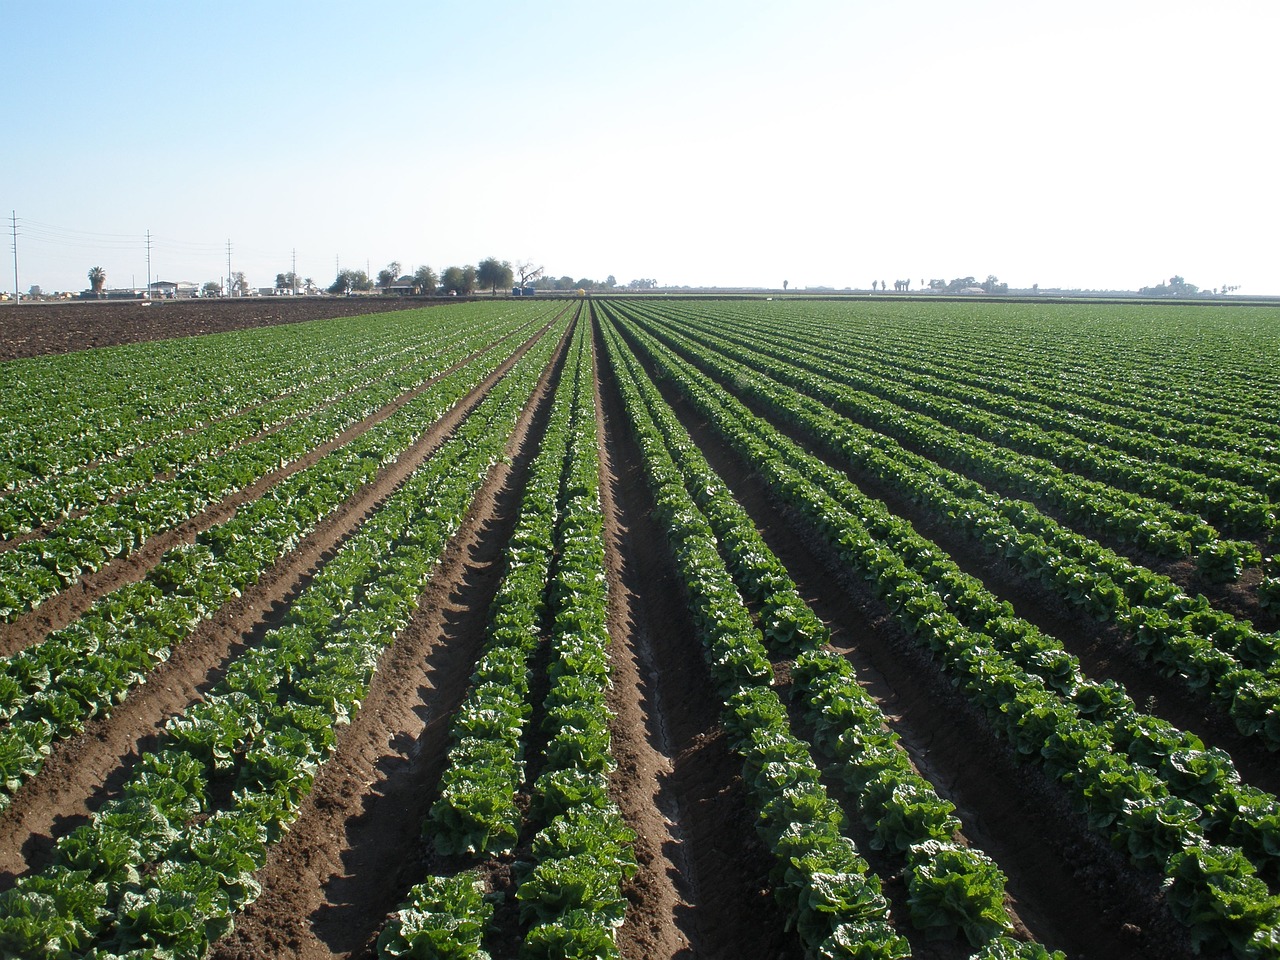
228	266
293	272
14	220
148	264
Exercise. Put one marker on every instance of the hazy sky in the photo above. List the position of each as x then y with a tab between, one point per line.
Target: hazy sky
1088	144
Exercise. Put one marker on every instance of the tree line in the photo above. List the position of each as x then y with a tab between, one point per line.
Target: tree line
490	275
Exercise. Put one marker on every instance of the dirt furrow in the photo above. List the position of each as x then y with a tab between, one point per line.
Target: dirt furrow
82	772
658	912
678	783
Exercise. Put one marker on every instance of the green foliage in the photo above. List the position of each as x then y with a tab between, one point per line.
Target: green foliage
954	889
1006	948
443	919
1214	892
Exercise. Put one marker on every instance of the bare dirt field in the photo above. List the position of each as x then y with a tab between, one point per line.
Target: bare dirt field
37	329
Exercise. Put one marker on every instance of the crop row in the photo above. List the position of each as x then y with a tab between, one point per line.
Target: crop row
953	888
552	591
163	867
1153	790
1239	508
60	414
839	911
66	494
1154	385
1236	664
51	689
1099	507
35	570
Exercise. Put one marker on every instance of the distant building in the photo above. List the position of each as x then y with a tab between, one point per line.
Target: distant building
171	290
406	286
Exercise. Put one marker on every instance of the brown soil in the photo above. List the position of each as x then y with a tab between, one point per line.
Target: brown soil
39	329
702	889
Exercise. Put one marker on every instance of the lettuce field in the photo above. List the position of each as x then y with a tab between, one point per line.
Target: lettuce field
647	627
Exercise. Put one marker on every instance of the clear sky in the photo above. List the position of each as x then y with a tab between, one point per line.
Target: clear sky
1098	144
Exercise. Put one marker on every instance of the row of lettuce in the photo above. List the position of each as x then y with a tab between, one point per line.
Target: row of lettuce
1230	660
52	688
1156	792
549	618
1104	489
161	869
824	885
173	480
234	414
572	846
1128	379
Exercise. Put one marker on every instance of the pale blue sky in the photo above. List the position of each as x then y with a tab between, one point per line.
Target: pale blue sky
1089	144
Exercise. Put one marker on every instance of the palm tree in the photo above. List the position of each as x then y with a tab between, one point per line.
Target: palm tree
97	279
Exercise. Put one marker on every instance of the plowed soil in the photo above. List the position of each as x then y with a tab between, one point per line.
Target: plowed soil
702	889
39	329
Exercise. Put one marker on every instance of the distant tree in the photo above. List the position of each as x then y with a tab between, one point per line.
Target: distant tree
494	273
309	286
97	279
459	280
527	272
643	284
389	274
211	288
993	285
425	280
351	281
1176	287
35	292
239	285
282	282
451	280
610	282
784	285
